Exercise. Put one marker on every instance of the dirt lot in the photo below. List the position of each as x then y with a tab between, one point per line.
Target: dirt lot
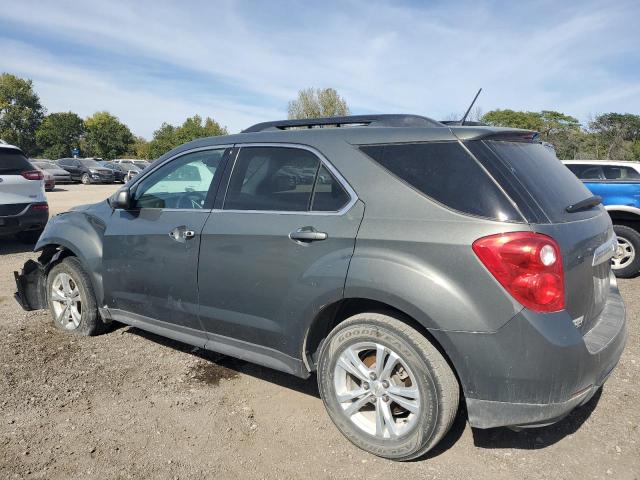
133	405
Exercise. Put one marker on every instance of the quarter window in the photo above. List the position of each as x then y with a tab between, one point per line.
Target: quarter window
328	194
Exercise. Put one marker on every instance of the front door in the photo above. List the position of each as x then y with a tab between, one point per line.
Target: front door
278	250
150	253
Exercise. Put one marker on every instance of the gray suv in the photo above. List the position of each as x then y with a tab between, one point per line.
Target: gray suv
411	265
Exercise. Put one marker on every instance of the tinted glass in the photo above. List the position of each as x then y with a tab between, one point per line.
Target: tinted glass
612	172
182	183
13	162
272	178
551	186
586	172
445	172
91	164
328	194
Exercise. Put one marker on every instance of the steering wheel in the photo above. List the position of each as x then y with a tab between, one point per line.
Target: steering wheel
190	200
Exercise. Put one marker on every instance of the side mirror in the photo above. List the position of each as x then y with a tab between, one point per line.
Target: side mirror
121	200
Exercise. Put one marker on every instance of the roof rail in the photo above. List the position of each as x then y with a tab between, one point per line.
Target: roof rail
453	123
389	120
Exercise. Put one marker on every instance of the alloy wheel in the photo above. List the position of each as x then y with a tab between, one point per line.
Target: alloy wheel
376	390
625	254
67	303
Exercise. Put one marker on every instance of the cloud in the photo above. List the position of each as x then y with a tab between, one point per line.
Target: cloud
150	62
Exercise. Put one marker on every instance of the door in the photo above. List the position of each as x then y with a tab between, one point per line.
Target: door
150	253
278	249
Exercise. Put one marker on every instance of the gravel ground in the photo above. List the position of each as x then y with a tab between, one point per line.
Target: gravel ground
129	404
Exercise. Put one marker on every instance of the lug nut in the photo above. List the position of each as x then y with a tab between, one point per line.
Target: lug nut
365	385
385	384
372	376
385	398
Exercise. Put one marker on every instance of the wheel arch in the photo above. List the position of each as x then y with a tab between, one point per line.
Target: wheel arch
624	215
337	312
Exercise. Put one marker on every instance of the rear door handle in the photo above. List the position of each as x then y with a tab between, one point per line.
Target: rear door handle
307	235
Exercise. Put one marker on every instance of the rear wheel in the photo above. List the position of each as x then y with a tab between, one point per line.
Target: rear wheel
626	261
86	179
71	299
386	387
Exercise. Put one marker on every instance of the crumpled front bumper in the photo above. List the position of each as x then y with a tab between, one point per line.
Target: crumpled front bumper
31	291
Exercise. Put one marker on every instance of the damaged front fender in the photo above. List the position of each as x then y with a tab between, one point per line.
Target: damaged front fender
31	284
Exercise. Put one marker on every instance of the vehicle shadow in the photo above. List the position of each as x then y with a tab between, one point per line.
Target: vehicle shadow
11	245
306	386
536	438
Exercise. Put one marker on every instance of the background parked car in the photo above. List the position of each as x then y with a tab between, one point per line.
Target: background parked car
618	183
86	170
123	172
141	164
23	206
49	179
60	175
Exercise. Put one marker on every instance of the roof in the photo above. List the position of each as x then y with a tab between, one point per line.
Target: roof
604	162
4	144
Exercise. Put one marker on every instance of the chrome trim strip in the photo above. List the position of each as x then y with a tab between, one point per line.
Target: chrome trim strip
325	162
605	251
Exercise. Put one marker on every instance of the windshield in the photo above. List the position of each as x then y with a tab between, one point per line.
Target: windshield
44	165
141	163
130	166
13	162
91	164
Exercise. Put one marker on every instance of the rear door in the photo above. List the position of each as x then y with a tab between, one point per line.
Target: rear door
278	247
150	254
543	188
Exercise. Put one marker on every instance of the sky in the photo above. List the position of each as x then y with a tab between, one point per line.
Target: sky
149	62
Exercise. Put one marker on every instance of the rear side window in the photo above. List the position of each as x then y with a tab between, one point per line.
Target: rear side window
13	162
534	172
272	178
445	172
613	172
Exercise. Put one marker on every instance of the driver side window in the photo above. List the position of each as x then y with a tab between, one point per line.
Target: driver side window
182	183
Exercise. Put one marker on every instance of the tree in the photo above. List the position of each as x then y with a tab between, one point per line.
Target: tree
514	119
168	137
59	133
318	102
20	112
106	136
140	148
618	132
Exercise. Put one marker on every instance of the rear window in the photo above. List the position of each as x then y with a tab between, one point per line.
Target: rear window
13	162
446	173
534	177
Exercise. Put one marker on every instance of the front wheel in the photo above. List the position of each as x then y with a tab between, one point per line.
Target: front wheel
626	261
85	179
71	299
386	387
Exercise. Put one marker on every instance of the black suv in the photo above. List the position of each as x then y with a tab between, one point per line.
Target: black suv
410	264
86	170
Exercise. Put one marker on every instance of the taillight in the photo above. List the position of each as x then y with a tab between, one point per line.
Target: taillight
33	175
40	206
528	265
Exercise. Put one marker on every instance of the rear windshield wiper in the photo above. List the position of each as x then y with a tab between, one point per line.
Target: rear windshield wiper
585	204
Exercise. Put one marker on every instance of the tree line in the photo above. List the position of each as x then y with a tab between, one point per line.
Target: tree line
24	122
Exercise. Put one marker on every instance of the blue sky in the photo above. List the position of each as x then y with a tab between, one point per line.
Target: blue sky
241	62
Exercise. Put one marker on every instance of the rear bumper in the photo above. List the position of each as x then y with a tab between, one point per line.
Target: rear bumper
29	219
538	367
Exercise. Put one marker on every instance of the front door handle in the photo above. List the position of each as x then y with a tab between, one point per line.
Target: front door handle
181	234
307	235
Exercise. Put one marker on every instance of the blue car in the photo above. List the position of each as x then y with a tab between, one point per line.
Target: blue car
618	183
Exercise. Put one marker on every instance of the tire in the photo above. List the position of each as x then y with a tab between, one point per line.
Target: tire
626	262
428	373
82	317
85	179
29	237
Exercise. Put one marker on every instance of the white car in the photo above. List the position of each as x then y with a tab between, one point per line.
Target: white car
24	210
604	169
